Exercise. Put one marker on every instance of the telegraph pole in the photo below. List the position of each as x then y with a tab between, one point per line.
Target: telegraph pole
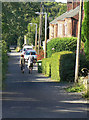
36	38
78	42
45	36
40	29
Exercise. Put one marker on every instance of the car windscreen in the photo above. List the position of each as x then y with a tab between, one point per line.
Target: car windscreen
28	53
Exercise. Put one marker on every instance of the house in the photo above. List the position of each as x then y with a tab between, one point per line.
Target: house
66	25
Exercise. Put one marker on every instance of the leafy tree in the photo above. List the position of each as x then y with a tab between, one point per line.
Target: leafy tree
17	15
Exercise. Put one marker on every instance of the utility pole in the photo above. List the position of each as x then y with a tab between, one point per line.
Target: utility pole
78	42
36	38
40	29
45	35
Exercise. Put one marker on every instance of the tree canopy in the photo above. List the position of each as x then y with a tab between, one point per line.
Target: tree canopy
17	15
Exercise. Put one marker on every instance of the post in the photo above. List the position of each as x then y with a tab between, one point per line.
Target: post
36	38
45	35
78	42
40	27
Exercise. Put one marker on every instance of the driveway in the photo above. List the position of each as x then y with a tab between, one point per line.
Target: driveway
36	96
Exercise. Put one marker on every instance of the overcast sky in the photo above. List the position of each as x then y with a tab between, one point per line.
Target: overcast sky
64	1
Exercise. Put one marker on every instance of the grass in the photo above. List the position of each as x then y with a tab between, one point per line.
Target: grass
86	95
76	88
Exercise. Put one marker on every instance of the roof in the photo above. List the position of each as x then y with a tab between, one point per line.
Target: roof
67	14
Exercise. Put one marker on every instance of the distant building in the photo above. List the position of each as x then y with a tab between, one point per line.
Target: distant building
66	25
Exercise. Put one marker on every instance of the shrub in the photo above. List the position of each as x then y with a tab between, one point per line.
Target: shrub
76	88
55	65
61	65
85	28
46	66
4	59
61	44
67	66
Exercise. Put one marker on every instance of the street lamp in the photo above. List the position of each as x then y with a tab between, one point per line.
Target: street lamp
45	31
35	35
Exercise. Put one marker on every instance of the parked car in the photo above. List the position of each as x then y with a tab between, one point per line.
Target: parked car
27	53
25	48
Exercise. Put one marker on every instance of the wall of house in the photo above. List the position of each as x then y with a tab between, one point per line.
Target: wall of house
55	30
69	27
60	28
51	31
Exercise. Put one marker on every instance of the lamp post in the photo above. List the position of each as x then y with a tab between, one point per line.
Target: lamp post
45	32
35	35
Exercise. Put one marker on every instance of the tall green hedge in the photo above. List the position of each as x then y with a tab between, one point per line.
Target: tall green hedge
61	44
61	65
46	66
4	59
56	63
85	27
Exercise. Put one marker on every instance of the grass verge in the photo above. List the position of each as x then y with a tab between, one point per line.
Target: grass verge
76	88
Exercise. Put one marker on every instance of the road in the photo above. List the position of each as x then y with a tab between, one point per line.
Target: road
36	96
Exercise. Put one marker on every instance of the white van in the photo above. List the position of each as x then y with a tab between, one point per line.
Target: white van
26	47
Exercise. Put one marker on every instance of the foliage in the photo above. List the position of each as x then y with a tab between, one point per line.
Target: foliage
40	56
54	8
4	59
17	15
55	65
76	88
46	66
15	18
86	95
61	44
61	66
85	27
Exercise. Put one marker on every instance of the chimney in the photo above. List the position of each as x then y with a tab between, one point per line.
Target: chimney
72	4
69	5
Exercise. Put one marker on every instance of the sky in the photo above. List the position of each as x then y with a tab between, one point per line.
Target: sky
64	1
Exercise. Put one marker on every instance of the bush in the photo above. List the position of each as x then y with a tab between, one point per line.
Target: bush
61	65
61	44
56	66
67	66
4	59
76	88
46	66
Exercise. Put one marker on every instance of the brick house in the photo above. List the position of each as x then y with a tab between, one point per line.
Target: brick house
66	25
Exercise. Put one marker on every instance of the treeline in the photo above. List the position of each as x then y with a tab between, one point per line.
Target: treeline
17	15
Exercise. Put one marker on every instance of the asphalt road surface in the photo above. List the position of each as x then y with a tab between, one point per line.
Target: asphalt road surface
36	96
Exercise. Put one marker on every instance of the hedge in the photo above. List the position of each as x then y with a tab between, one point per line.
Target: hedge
46	66
61	44
55	65
4	59
85	28
61	65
